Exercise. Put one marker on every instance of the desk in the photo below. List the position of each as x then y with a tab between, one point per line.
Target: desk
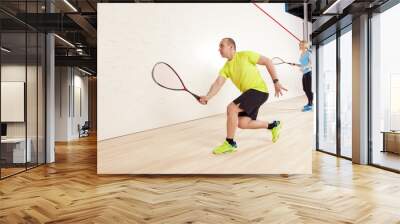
391	141
15	148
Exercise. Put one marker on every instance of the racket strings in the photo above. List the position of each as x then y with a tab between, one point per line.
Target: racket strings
166	77
277	61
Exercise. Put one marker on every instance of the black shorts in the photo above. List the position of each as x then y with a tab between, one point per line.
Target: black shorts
250	101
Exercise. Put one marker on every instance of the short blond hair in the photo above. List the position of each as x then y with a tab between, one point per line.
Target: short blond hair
305	43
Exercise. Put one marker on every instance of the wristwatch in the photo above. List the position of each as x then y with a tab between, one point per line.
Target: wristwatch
275	80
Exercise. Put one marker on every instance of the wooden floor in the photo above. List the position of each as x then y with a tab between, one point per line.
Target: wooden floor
70	191
10	171
186	148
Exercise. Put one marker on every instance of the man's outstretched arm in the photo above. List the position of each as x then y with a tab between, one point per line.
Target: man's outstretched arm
272	72
215	87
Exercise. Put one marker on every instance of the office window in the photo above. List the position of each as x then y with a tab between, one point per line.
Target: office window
346	93
13	146
385	89
327	96
22	88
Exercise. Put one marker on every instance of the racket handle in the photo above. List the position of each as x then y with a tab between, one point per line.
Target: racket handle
196	96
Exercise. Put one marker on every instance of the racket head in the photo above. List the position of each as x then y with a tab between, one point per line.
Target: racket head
277	61
165	76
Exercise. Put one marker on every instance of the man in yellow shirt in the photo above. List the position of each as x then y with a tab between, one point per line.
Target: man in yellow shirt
242	112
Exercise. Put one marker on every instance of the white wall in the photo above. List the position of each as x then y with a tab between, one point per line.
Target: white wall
61	103
80	83
68	81
133	37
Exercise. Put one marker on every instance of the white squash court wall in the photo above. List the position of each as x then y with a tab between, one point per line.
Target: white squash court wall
133	37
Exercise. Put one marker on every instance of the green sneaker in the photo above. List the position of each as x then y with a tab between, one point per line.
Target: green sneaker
276	131
224	148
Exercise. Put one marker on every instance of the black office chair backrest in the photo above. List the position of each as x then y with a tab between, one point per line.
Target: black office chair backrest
86	125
